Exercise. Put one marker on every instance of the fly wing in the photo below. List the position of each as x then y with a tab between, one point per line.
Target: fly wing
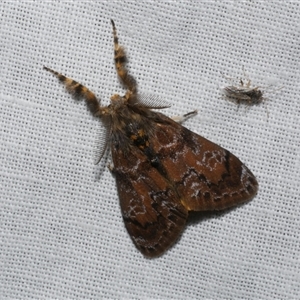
153	214
206	176
237	93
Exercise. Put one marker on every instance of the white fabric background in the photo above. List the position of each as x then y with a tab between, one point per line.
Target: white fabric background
62	235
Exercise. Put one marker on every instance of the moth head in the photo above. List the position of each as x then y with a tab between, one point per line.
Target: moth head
117	102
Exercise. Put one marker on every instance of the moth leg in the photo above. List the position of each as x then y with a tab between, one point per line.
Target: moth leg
182	118
120	61
78	90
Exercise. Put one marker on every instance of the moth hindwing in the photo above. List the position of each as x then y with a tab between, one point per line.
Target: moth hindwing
162	169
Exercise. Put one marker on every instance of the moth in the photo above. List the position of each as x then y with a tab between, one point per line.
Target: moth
162	169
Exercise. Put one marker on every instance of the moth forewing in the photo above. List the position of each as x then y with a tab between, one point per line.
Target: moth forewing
162	169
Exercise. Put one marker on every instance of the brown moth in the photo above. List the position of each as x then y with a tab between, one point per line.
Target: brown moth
162	169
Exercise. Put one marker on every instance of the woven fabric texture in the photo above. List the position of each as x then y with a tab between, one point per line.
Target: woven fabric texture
62	234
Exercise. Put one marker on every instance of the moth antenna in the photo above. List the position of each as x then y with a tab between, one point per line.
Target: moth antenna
120	62
102	142
152	101
79	91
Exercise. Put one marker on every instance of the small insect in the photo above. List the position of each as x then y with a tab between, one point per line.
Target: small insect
162	169
244	93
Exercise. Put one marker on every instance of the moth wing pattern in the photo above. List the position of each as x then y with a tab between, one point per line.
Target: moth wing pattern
190	174
206	176
153	214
